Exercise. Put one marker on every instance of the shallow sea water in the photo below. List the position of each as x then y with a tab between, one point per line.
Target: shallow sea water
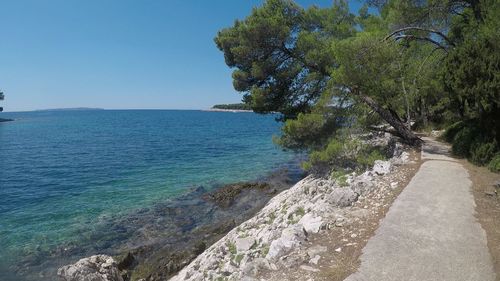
62	173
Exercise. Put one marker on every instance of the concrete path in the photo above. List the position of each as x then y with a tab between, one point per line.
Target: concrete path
430	232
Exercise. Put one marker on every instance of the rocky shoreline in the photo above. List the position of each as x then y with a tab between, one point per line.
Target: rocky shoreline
158	241
276	237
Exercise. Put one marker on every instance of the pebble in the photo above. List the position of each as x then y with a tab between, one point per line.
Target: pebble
308	268
315	260
490	191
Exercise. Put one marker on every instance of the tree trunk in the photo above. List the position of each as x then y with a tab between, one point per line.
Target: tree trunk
425	118
402	130
407	103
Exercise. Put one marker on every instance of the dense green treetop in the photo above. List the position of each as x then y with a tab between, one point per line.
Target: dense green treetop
280	54
472	70
329	71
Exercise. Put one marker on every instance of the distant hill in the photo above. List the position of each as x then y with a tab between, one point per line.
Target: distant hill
232	106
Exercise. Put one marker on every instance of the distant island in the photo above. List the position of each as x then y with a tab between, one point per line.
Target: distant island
233	107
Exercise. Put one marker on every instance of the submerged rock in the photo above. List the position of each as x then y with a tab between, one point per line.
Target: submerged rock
94	268
126	262
225	196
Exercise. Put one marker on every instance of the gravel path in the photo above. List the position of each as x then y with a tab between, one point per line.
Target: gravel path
430	232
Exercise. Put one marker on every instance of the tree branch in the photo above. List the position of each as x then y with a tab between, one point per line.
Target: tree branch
303	61
413	37
382	129
439	33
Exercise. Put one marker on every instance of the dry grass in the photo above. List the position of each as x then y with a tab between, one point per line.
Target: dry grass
341	269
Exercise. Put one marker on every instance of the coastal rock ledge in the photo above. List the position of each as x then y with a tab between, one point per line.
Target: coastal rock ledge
277	237
94	268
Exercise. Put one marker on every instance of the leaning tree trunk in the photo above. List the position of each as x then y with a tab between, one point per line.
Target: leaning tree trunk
400	127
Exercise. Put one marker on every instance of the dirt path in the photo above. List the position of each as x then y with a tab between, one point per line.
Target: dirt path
487	207
430	232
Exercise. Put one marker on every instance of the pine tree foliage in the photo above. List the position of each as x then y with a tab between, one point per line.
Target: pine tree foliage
329	71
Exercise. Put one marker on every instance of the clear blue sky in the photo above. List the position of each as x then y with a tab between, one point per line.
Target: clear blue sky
117	53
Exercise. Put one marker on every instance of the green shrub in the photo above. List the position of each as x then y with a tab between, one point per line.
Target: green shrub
271	217
265	250
471	141
494	164
450	132
332	150
325	156
238	258
340	177
232	248
339	152
300	211
367	159
307	165
343	153
308	130
482	153
462	142
294	217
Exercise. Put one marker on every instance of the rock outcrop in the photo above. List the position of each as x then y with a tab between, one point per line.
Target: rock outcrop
275	237
94	268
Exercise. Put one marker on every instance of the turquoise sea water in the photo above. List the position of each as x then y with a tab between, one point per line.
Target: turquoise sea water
62	171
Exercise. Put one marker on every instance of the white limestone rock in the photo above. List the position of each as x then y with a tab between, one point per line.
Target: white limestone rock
363	183
290	237
244	244
341	197
310	223
308	268
402	159
381	167
315	250
94	268
315	260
